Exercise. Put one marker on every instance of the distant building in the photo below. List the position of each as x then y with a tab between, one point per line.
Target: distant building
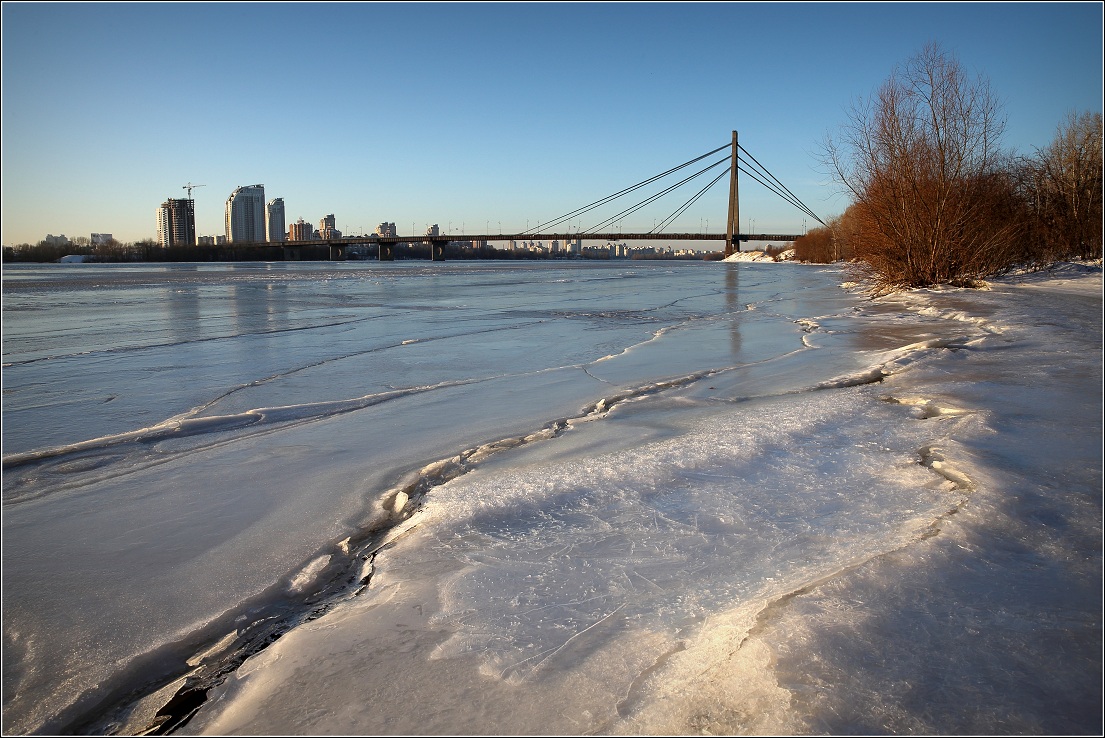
386	229
245	215
52	240
176	223
433	230
327	228
205	240
299	231
274	220
99	239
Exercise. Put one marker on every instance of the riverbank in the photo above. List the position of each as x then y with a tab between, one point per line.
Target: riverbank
722	498
977	612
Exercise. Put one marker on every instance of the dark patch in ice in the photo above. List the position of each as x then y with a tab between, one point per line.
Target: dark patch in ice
179	710
254	627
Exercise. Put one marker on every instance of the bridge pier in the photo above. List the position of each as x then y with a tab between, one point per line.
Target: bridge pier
732	225
387	252
437	250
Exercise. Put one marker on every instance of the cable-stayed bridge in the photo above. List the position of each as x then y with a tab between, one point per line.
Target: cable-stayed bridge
737	158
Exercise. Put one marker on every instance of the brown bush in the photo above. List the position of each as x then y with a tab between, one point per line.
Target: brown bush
828	244
815	246
931	195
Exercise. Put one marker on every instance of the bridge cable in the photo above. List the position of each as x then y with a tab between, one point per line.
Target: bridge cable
797	203
654	197
778	190
793	198
668	220
772	188
616	195
764	169
603	201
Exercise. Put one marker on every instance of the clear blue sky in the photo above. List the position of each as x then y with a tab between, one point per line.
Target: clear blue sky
465	114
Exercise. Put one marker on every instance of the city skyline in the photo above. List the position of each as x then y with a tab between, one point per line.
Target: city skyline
479	117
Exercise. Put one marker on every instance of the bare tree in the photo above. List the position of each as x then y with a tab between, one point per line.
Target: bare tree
829	243
922	163
815	246
1062	186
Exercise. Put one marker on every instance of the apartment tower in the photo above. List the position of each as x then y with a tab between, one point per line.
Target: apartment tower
274	220
327	228
176	223
300	231
245	215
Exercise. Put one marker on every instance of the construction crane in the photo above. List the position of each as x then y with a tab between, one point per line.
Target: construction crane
191	187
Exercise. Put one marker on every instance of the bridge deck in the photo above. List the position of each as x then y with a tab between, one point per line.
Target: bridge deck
501	237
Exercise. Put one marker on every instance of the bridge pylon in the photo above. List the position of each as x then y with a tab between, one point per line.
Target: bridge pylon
732	234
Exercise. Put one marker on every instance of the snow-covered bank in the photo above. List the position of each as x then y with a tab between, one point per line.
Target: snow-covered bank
916	552
992	623
750	256
676	497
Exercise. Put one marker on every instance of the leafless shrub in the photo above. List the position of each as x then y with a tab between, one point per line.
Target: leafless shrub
815	246
774	251
1062	190
922	163
831	243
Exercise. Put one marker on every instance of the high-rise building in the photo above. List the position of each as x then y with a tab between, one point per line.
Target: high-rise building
176	223
245	215
327	228
299	231
386	229
274	220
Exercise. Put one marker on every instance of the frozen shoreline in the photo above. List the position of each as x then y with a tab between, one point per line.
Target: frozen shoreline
609	551
913	637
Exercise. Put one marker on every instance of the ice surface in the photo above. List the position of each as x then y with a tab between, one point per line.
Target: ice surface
847	565
621	498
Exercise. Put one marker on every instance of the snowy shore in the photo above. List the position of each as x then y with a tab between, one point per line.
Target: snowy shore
753	256
549	498
981	616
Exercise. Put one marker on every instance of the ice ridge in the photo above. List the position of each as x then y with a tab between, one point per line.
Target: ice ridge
333	575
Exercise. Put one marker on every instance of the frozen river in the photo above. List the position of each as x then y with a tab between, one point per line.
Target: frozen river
548	497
